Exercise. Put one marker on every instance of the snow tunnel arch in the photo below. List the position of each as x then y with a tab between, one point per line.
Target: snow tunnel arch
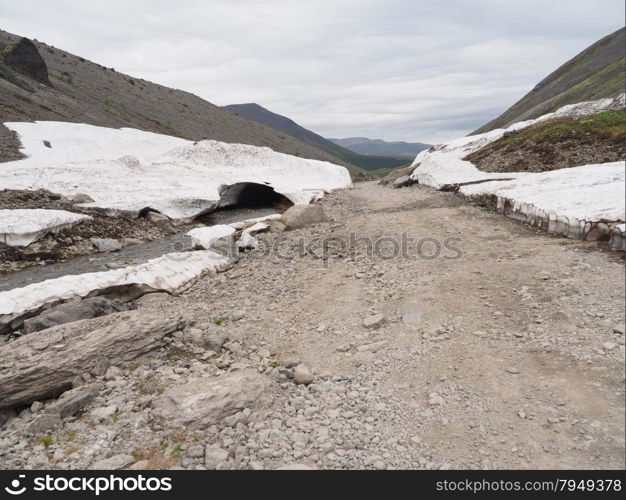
251	194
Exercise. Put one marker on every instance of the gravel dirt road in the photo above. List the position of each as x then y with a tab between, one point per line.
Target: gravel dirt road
505	351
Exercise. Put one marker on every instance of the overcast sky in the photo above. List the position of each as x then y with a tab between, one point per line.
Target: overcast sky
399	70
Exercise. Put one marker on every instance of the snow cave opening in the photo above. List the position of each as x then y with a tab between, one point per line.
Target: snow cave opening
252	195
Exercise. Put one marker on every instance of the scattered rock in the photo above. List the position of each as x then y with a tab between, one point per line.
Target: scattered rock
6	415
303	215
512	369
609	346
196	451
276	226
294	467
106	244
213	456
302	374
213	341
161	221
401	182
81	198
205	401
104	412
44	423
619	329
247	242
115	462
374	321
71	402
290	362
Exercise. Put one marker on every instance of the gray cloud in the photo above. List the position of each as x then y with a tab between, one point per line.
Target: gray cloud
398	70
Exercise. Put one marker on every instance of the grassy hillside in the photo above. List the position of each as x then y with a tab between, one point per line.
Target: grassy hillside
283	124
596	72
557	143
83	91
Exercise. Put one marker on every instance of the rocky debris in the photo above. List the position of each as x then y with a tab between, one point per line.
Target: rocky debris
93	307
81	198
617	239
203	402
24	58
71	402
44	423
213	456
247	241
161	221
115	462
302	374
391	177
11	77
401	182
40	364
276	226
106	244
295	467
374	321
6	415
213	340
300	216
104	412
426	391
9	145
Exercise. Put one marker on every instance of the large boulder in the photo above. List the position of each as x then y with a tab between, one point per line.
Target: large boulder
205	401
44	364
24	58
303	215
74	311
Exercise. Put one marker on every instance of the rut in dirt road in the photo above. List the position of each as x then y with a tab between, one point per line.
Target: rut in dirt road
492	345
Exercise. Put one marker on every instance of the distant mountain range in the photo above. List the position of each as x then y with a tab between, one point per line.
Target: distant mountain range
365	146
597	72
253	111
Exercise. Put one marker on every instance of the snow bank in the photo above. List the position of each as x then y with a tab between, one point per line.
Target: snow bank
579	202
583	202
167	273
126	170
20	227
249	222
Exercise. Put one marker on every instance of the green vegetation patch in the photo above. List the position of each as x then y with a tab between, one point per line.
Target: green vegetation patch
608	124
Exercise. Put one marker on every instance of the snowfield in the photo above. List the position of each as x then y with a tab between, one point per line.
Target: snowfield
167	273
126	170
584	202
20	227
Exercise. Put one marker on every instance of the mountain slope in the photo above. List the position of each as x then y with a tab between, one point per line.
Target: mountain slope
281	123
365	146
596	72
85	92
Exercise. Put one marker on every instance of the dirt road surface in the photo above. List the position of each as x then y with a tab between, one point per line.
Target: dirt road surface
504	351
